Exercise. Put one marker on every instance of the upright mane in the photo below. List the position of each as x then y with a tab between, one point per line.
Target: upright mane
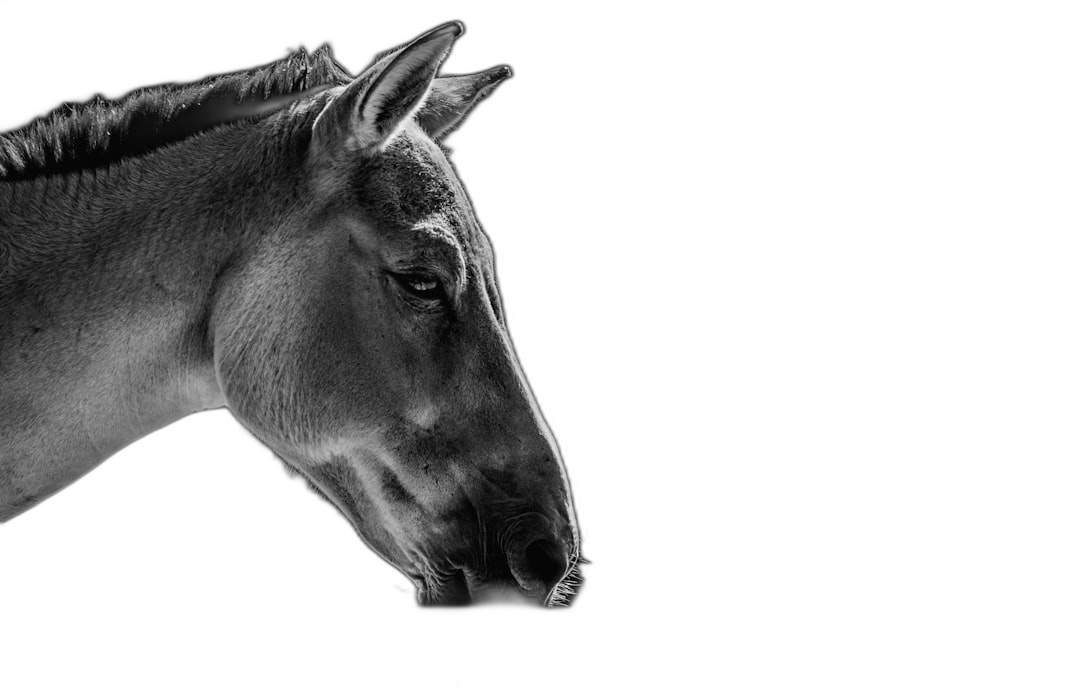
102	131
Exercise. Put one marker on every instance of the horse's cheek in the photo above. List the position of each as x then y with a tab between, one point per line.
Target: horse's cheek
360	359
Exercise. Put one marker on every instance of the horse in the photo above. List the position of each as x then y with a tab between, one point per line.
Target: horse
292	243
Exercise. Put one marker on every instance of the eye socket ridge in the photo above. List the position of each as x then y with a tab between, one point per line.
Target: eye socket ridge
431	270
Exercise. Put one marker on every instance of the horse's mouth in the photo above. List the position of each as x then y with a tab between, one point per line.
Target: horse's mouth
461	588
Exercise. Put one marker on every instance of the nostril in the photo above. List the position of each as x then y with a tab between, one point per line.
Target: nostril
546	562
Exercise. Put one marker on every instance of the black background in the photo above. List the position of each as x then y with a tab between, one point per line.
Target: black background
200	517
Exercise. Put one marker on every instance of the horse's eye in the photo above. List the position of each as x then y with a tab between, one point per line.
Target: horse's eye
423	286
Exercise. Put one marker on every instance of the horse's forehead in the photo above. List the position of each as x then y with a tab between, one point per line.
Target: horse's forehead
410	182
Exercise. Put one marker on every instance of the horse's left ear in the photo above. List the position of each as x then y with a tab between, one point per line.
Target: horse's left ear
373	106
452	97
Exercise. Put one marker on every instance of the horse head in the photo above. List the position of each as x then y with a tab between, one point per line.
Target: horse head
364	341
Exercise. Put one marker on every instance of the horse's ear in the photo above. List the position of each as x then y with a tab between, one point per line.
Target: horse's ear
372	107
454	96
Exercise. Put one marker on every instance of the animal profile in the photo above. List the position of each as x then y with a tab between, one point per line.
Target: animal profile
291	243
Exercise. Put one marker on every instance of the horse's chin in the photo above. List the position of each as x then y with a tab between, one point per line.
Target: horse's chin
445	591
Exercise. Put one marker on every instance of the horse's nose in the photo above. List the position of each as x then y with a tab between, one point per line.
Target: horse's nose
542	564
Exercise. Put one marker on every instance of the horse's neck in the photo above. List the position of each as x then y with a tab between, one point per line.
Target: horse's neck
105	297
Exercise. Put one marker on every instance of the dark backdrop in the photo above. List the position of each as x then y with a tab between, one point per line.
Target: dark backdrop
202	517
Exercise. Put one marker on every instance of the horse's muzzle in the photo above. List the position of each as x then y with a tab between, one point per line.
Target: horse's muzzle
534	563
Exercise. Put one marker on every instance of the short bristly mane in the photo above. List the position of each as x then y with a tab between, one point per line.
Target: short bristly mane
103	131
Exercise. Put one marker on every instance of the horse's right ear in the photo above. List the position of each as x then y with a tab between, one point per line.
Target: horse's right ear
367	114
